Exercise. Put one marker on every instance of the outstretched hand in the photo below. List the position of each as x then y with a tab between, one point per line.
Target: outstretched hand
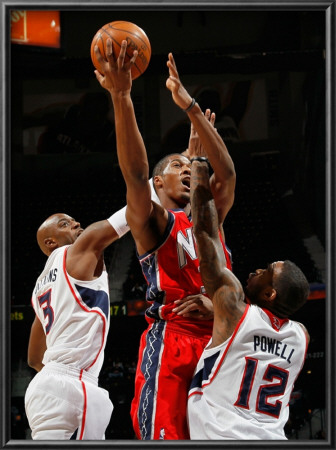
180	95
195	306
116	76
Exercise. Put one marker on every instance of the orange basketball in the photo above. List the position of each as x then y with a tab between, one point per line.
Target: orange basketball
136	40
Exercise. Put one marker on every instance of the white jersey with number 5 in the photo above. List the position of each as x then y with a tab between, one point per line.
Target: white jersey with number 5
241	388
74	314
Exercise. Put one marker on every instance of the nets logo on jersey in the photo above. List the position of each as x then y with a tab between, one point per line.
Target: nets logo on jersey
185	245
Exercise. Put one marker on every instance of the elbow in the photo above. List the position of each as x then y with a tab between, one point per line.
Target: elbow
31	362
38	367
136	171
230	177
35	364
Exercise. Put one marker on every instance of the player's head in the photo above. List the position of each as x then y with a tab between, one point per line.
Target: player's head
171	178
56	231
281	287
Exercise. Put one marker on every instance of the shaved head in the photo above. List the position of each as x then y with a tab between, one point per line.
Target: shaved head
56	231
45	233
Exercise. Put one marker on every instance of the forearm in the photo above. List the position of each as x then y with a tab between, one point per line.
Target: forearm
215	148
131	150
204	214
205	225
36	346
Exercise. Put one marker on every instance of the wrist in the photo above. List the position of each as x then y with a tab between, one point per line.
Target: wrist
190	107
201	159
120	95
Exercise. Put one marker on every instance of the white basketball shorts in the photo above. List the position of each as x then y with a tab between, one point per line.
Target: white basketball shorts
59	402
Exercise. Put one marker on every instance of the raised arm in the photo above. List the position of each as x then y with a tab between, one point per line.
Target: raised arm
220	283
223	181
205	226
131	150
85	256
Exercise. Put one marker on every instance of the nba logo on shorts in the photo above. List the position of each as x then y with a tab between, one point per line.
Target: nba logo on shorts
162	433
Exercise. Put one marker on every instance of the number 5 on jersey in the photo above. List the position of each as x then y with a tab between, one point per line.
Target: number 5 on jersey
45	303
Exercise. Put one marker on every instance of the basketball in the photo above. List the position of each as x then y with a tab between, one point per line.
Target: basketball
136	40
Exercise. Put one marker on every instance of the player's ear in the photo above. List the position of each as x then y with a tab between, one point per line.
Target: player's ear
269	294
157	180
50	243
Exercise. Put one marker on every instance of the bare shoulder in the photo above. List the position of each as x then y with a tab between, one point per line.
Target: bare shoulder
148	234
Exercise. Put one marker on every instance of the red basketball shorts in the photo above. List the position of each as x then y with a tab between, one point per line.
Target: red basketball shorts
166	364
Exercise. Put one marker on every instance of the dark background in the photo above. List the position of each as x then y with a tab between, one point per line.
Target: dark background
279	211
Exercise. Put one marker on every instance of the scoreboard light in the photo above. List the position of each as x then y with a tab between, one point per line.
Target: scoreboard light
36	28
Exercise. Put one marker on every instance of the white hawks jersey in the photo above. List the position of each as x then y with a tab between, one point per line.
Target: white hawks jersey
241	388
75	315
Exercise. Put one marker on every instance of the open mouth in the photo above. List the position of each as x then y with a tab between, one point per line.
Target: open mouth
186	182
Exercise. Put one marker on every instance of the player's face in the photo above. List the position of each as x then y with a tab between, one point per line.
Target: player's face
176	179
262	279
65	229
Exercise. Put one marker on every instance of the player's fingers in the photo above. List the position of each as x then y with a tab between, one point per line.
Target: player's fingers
98	55
121	57
189	310
134	57
187	298
99	76
184	307
172	84
109	50
192	130
172	60
172	69
169	84
181	304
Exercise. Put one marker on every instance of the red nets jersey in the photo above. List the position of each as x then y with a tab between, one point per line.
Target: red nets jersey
172	270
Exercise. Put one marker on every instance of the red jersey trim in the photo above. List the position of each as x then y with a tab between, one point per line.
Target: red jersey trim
276	322
227	252
84	407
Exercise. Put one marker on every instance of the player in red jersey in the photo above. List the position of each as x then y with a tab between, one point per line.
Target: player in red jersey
173	341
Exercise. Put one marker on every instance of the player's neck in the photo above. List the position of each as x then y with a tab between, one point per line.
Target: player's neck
170	203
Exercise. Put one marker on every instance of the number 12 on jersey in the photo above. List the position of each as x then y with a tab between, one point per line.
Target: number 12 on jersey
265	391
